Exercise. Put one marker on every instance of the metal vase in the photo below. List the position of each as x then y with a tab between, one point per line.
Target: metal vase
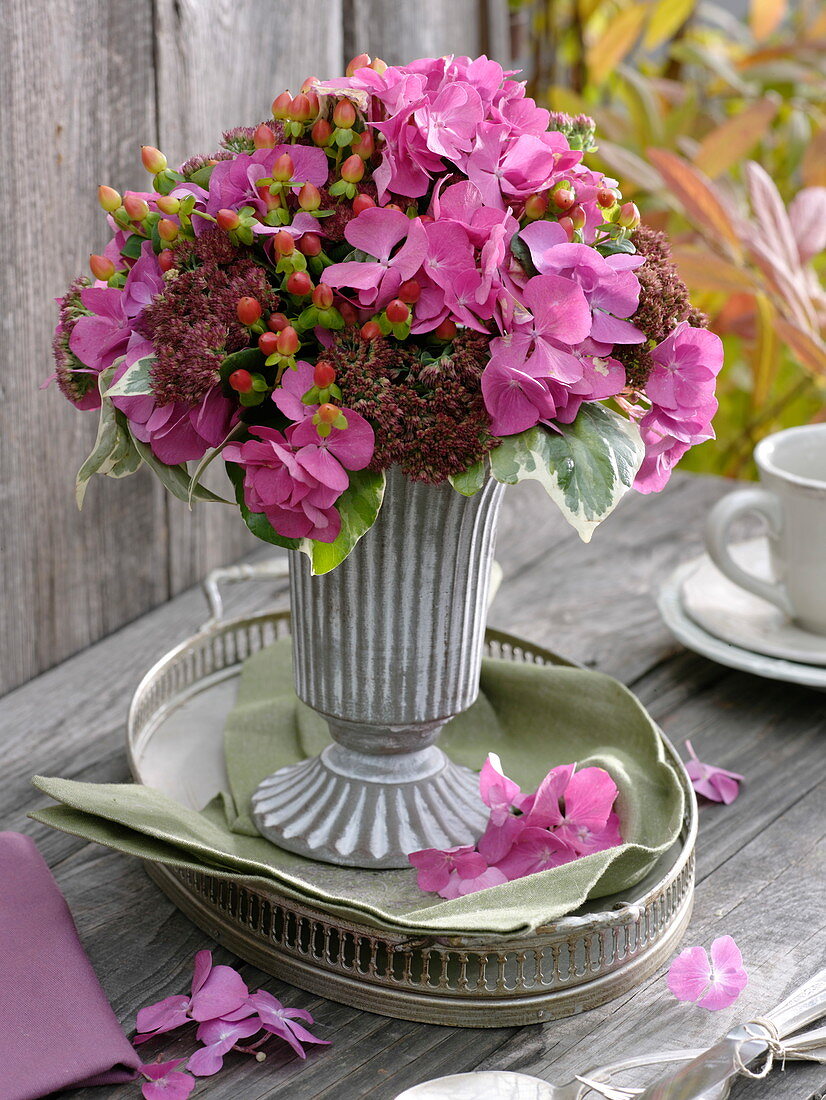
388	647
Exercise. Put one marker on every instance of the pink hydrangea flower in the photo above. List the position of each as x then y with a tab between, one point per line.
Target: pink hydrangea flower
714	984
219	1037
294	384
216	991
435	867
535	850
379	232
716	784
164	1081
352	446
177	432
295	487
234	183
459	887
278	1020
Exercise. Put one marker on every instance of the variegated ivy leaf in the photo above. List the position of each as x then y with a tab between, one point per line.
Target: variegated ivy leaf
470	481
176	478
585	467
358	507
136	381
114	453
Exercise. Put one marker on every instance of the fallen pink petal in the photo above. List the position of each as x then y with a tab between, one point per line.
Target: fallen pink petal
164	1081
712	984
716	784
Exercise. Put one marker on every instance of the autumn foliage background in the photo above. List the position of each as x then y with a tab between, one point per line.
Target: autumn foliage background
715	119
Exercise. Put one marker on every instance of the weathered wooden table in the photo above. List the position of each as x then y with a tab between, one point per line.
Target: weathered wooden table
761	876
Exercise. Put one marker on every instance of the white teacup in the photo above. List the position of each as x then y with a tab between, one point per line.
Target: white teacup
792	499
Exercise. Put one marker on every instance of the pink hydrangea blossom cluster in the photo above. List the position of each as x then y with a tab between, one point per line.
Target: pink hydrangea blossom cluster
398	206
228	1018
571	814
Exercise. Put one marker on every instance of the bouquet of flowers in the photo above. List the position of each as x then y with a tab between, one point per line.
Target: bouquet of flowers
406	266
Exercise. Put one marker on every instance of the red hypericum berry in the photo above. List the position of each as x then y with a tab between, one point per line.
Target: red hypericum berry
312	98
362	202
568	226
321	132
268	342
410	292
324	374
361	61
323	296
378	66
563	198
241	381
284	243
536	206
300	109
446	330
167	204
606	197
287	341
426	219
309	84
109	198
348	312
228	219
364	145
153	159
263	137
370	330
352	170
100	267
344	114
397	312
168	230
577	216
277	322
310	244
248	310
281	105
166	259
629	216
270	201
283	168
395	206
328	413
309	197
136	209
299	283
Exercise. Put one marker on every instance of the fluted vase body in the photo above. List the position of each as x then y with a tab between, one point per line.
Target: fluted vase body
388	647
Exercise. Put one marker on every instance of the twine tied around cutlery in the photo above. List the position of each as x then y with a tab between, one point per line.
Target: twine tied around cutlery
775	1048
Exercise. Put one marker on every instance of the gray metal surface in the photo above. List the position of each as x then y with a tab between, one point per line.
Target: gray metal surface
388	647
573	964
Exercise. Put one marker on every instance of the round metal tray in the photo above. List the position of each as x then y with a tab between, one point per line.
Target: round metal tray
580	961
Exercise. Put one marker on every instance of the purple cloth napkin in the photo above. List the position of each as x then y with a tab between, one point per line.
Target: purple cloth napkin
57	1030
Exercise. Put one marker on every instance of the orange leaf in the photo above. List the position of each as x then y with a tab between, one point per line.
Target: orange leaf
814	161
702	270
765	17
810	351
616	41
734	139
694	192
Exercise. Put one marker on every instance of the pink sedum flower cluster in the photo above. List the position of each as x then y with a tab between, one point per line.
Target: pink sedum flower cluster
401	207
570	815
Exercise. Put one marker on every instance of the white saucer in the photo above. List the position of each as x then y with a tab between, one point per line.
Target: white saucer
734	615
694	637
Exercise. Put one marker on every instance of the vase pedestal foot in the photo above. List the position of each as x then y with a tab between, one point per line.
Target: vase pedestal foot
360	810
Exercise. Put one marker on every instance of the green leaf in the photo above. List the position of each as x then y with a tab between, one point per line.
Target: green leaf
198	473
132	246
620	244
114	453
175	478
358	507
257	521
469	482
585	467
523	255
137	380
202	176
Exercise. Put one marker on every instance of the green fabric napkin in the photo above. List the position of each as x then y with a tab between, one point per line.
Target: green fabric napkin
534	716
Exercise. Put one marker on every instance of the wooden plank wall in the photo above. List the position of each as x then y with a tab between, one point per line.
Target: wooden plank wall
83	83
